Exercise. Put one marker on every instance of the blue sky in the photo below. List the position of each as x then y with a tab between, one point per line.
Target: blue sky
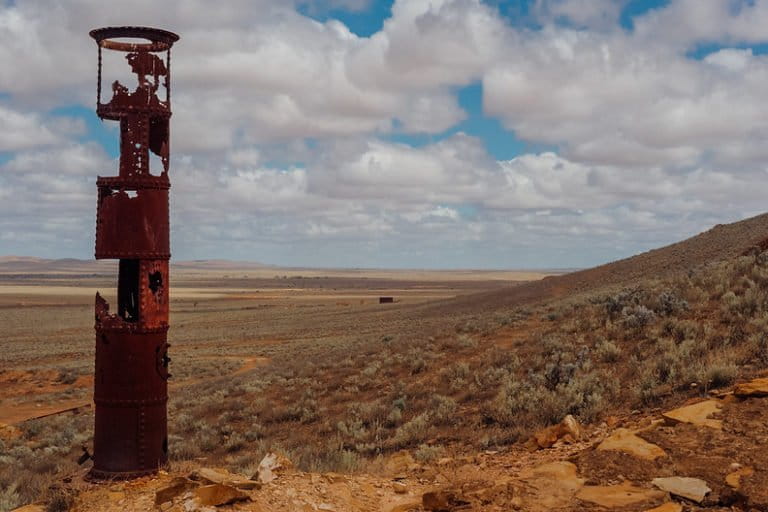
416	133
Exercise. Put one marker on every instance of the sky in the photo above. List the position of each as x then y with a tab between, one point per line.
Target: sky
400	134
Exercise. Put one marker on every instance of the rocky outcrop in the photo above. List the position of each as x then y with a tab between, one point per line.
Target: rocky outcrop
697	414
753	388
567	431
627	441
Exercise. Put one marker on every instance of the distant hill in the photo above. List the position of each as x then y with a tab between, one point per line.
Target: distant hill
716	244
32	265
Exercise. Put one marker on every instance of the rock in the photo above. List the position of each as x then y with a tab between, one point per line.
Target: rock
616	496
667	507
693	489
568	430
550	486
175	487
219	494
246	485
166	506
753	388
335	478
211	475
399	487
696	414
30	508
624	440
734	479
222	476
270	466
441	501
326	507
572	427
9	432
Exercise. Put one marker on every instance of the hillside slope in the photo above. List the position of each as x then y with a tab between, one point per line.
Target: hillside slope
716	244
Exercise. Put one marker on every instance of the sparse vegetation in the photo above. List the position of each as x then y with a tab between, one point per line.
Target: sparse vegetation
345	389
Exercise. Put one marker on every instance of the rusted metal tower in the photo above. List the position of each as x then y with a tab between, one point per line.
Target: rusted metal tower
132	225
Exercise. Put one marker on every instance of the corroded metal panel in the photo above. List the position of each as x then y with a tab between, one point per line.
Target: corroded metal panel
130	385
132	223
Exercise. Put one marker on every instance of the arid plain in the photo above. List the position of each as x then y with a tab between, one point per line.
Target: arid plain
473	390
226	318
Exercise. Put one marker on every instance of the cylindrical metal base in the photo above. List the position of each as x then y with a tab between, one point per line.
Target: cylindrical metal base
131	394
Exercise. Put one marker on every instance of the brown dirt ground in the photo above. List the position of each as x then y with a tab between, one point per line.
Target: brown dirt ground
501	481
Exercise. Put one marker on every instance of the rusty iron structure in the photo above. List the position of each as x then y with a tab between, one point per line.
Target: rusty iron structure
132	226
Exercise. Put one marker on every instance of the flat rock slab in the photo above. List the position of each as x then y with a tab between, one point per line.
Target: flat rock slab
625	440
753	388
175	487
697	414
667	507
219	494
222	476
550	486
612	496
686	487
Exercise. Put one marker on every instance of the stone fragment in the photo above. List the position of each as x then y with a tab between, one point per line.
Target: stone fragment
667	507
753	388
246	485
175	487
568	430
624	440
30	508
210	475
219	494
326	507
734	479
335	478
616	496
270	466
399	487
550	486
693	489
222	476
696	414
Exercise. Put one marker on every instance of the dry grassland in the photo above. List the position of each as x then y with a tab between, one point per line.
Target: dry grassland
316	369
260	332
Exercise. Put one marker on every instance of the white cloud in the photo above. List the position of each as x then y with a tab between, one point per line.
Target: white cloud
280	129
21	130
731	59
